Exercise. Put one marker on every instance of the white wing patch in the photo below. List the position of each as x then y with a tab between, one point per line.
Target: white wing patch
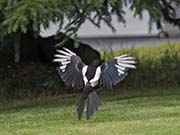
64	58
123	63
84	70
95	80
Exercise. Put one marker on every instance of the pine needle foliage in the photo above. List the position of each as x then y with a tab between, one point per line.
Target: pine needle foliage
18	17
30	15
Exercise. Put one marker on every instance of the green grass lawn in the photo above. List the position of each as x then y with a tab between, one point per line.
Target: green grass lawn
127	112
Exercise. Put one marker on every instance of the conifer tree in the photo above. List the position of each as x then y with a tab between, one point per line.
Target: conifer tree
19	17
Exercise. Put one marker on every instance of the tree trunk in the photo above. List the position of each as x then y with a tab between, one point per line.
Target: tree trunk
28	48
17	46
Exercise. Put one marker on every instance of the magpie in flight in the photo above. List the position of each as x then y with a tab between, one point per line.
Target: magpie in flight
78	75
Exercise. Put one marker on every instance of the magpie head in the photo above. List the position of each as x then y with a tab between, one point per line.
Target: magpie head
95	63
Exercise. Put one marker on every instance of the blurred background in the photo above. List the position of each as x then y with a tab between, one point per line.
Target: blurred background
31	31
35	101
136	32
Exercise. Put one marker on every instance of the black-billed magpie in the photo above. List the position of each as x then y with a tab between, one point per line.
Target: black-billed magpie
87	77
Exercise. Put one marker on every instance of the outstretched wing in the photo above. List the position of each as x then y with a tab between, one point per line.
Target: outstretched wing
70	69
115	70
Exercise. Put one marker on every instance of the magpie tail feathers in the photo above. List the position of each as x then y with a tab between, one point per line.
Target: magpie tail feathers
93	103
80	107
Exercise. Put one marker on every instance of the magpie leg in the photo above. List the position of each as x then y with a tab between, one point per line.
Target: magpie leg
93	102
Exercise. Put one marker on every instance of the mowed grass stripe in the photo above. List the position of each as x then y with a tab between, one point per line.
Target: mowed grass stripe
148	114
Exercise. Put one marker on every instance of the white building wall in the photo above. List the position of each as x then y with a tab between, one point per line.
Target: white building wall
171	29
133	27
135	33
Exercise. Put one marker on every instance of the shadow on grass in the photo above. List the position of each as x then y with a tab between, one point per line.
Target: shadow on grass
13	106
70	100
